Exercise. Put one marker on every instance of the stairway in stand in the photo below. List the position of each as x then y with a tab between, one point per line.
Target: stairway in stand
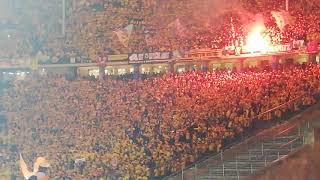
254	158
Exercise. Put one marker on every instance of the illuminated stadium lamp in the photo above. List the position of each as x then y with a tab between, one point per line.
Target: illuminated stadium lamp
256	42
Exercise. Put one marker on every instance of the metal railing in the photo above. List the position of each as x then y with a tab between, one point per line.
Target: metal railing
245	144
194	171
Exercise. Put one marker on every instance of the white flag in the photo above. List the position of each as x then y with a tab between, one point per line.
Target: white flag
124	34
24	169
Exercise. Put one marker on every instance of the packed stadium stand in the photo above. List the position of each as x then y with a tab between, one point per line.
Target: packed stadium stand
108	89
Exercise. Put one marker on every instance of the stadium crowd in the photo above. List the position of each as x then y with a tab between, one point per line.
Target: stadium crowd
146	127
93	28
150	127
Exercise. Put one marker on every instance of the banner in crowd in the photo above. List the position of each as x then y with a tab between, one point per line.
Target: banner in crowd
282	48
124	34
298	44
119	57
282	18
148	57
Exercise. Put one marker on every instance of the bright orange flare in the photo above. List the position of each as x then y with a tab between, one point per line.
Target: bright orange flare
256	42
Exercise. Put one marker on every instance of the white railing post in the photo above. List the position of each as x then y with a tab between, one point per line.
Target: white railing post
63	17
196	171
237	167
223	169
221	156
236	164
182	175
262	149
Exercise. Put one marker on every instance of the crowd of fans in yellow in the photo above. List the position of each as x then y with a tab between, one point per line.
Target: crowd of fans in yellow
150	127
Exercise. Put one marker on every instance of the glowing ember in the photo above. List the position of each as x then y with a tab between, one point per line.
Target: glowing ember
256	42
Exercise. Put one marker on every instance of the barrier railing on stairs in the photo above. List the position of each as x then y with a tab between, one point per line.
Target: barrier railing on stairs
204	165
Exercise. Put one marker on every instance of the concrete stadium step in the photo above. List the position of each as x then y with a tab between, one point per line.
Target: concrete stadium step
281	141
235	171
264	148
221	177
246	166
242	163
283	148
267	151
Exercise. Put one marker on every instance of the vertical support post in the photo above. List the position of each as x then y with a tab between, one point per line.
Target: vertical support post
182	175
221	156
287	5
236	164
196	172
204	66
251	168
278	155
102	72
63	17
237	167
136	70
223	169
265	160
171	67
262	149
